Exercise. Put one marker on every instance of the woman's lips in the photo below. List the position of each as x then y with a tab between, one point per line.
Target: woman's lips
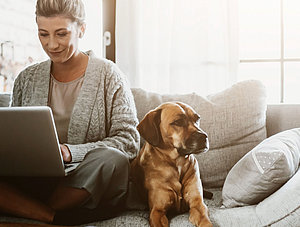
55	52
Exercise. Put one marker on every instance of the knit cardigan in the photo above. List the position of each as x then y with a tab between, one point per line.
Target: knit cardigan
104	113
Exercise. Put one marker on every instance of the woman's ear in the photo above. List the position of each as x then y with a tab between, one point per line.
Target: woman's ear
82	30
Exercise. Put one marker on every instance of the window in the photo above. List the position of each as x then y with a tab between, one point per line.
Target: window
92	39
269	46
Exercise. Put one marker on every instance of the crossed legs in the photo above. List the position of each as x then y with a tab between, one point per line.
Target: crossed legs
110	168
15	202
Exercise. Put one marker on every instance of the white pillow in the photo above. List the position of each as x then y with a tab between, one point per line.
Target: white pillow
263	170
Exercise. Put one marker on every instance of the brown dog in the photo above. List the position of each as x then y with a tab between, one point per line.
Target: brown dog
165	171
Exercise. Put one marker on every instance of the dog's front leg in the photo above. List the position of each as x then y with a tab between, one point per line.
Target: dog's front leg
199	213
159	203
192	194
158	218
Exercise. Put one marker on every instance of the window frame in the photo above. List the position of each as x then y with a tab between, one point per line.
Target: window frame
280	60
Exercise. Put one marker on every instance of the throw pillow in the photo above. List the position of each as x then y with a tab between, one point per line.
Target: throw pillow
263	170
234	120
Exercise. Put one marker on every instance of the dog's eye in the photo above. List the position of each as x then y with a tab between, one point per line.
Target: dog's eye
179	122
197	119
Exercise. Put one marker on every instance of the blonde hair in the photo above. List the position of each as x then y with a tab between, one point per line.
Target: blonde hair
72	9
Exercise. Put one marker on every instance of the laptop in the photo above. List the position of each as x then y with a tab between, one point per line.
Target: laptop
29	143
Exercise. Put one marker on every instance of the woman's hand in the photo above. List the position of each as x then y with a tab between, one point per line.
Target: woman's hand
66	154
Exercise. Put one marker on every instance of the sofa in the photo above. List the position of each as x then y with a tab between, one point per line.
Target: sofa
237	120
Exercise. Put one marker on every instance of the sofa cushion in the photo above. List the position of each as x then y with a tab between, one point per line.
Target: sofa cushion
4	99
263	170
234	120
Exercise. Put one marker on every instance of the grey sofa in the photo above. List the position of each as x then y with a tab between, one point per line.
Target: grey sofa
236	120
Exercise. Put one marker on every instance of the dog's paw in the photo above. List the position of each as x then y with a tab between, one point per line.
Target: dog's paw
199	220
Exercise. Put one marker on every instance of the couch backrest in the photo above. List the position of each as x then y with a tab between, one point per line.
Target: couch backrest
235	120
4	99
282	117
279	116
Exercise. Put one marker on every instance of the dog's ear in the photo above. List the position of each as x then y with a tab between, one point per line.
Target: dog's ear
149	128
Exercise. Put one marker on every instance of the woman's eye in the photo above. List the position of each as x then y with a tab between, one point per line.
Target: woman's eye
43	34
61	34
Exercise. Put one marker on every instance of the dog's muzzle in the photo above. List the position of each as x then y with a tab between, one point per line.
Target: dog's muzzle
196	143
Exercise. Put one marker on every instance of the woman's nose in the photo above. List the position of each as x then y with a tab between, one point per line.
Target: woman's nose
52	43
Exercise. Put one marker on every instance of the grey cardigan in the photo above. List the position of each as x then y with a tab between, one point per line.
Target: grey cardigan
104	112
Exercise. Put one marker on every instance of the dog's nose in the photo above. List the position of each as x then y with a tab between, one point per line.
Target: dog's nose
197	141
199	136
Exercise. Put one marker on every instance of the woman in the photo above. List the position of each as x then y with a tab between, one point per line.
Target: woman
95	118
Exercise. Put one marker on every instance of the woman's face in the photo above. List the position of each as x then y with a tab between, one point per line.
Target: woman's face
59	37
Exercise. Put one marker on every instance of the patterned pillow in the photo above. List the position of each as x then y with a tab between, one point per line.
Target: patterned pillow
263	170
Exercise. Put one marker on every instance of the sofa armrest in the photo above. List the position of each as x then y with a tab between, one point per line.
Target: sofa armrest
281	117
282	203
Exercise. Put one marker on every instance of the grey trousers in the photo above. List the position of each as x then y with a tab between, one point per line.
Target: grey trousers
104	173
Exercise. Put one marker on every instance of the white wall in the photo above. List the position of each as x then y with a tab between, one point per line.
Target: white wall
19	39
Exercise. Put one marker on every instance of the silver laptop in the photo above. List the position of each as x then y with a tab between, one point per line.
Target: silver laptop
29	144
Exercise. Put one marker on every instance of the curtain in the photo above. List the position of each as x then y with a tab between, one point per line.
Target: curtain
176	46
